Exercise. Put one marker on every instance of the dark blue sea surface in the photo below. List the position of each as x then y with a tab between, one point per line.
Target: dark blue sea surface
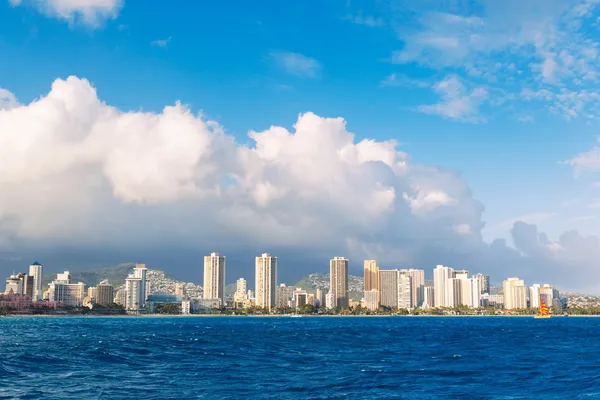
299	358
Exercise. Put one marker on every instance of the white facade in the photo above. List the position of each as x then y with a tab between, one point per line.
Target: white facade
484	281
136	290
460	274
428	297
338	281
371	301
515	293
330	300
440	275
214	277
417	277
36	271
405	291
534	296
186	307
63	291
320	298
241	293
453	292
266	281
13	283
471	292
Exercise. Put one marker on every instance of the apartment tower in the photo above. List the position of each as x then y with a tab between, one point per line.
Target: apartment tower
266	281
214	277
338	281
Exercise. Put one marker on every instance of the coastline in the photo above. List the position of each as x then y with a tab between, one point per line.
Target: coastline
282	316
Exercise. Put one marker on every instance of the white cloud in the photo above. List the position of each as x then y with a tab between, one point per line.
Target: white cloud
164	43
89	12
588	161
7	99
458	103
366	20
296	64
78	172
533	218
395	79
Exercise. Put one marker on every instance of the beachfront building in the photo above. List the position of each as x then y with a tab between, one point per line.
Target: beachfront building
515	293
266	281
338	281
36	271
214	277
66	293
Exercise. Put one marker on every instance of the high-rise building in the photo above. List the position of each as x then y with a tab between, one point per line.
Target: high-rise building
266	281
371	275
104	293
534	296
371	301
515	293
548	294
388	288
405	291
61	290
13	284
338	281
330	300
214	277
484	281
320	298
241	293
301	298
428	297
35	271
284	295
453	292
417	277
135	285
471	292
441	275
460	274
91	293
180	290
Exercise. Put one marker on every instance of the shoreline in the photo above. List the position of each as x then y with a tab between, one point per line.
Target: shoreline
284	316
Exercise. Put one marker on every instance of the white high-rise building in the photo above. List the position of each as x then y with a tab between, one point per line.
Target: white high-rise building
471	292
461	274
453	292
441	275
405	291
548	294
284	295
388	288
266	281
63	291
136	291
515	293
428	297
534	296
241	293
417	277
338	281
330	300
36	271
214	277
484	281
320	298
371	302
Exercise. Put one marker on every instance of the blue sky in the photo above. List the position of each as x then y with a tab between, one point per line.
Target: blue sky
503	94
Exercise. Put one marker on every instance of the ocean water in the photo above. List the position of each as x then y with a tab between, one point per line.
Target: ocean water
299	358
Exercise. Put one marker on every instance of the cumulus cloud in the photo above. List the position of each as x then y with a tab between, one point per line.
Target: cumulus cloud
458	103
89	12
296	64
7	99
78	171
161	42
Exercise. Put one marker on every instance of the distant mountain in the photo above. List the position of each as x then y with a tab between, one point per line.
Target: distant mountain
115	275
310	283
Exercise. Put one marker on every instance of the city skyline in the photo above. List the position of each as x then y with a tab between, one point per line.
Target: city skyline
375	131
